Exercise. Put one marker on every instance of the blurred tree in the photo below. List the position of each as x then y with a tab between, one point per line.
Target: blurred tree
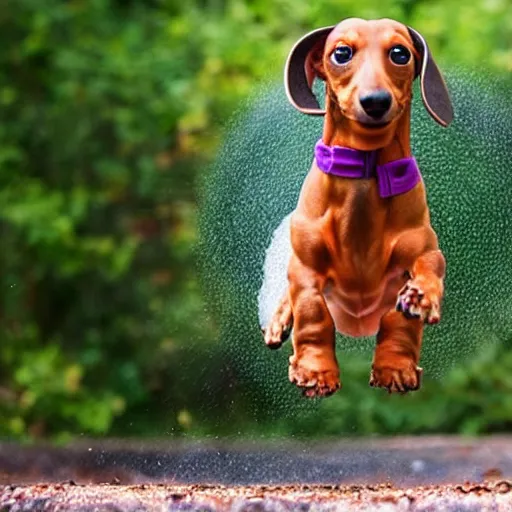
96	210
109	110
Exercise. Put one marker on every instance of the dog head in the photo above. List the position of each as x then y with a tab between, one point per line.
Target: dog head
369	68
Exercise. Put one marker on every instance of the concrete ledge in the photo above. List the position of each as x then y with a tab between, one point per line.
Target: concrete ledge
409	461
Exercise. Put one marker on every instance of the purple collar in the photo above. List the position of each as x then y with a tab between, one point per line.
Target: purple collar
393	178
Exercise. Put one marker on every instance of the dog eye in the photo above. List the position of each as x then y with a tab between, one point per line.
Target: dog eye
341	55
400	55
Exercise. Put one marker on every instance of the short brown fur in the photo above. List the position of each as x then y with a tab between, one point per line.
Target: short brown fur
353	251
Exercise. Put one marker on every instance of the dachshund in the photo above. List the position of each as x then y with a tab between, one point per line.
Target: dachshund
364	258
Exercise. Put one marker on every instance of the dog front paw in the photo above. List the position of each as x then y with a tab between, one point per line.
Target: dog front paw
315	383
401	379
417	301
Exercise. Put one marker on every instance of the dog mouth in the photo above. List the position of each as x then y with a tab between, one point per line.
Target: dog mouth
369	123
374	125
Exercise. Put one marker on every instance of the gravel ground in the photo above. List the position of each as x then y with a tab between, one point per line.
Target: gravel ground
416	474
60	497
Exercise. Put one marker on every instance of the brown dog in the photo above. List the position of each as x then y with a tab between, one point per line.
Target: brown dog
363	260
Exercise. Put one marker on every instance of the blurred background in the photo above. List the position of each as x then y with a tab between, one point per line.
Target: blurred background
111	111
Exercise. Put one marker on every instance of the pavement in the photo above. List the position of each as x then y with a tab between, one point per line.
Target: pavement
401	473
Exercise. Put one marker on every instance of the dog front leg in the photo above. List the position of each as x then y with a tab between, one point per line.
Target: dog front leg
395	364
313	365
422	294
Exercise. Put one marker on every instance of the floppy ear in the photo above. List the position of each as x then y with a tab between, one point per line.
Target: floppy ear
302	66
433	87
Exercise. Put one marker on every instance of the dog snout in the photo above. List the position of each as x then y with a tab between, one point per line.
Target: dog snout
376	103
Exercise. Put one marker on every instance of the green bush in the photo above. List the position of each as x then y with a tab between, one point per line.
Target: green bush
96	212
472	398
109	112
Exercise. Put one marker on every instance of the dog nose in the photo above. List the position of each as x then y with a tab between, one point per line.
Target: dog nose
377	103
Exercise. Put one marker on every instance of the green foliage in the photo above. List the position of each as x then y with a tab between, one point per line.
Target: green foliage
473	398
109	111
96	212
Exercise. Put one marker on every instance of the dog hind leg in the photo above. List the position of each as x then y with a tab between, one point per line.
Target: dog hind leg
313	365
280	326
395	362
